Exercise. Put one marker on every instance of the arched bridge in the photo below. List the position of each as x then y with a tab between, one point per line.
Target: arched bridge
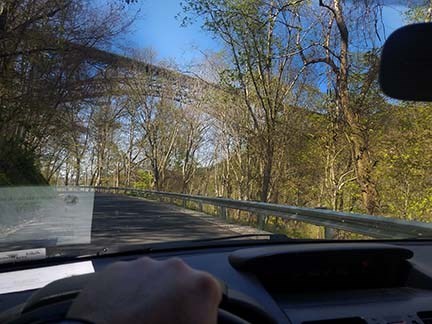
115	75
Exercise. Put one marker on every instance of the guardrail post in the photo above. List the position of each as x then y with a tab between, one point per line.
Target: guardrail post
222	212
329	233
261	221
200	206
184	202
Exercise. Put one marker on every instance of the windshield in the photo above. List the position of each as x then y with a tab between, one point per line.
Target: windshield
125	122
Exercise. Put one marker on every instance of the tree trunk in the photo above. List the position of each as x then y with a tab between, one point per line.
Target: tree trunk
117	182
156	179
356	133
267	171
363	168
128	172
78	172
184	187
67	175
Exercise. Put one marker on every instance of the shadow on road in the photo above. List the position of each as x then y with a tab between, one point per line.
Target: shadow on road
123	220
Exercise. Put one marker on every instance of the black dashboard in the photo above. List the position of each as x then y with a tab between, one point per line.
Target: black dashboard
309	283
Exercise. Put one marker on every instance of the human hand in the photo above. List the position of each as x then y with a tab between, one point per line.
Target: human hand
149	291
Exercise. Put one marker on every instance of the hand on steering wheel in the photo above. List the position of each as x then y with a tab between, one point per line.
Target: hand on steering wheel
142	291
149	291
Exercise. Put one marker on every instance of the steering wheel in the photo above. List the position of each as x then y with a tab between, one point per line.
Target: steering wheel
52	302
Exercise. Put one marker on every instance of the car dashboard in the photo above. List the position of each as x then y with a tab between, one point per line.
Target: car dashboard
306	283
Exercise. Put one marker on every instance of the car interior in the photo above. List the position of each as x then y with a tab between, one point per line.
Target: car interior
295	281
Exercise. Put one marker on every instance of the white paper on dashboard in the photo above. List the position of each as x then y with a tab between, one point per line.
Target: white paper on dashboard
22	255
22	280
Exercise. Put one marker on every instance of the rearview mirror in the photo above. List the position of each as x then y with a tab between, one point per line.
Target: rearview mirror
406	63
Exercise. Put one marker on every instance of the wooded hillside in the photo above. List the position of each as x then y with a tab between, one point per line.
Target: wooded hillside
293	113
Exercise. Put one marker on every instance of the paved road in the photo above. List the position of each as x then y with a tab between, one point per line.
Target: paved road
121	219
117	220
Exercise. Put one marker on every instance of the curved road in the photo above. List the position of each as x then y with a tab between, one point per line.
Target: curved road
122	219
117	220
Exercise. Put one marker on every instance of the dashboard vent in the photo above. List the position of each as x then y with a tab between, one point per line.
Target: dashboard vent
347	320
426	317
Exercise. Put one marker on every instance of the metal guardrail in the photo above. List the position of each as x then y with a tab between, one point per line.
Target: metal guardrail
372	226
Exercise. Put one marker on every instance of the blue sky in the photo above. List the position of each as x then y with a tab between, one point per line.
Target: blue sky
393	17
157	28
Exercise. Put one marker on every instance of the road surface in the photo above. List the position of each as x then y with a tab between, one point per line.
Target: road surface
121	219
117	220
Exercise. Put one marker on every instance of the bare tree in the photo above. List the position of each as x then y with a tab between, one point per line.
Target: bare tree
334	52
192	134
263	63
157	118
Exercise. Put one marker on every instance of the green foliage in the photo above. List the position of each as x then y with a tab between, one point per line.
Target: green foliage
18	166
144	180
419	13
404	154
